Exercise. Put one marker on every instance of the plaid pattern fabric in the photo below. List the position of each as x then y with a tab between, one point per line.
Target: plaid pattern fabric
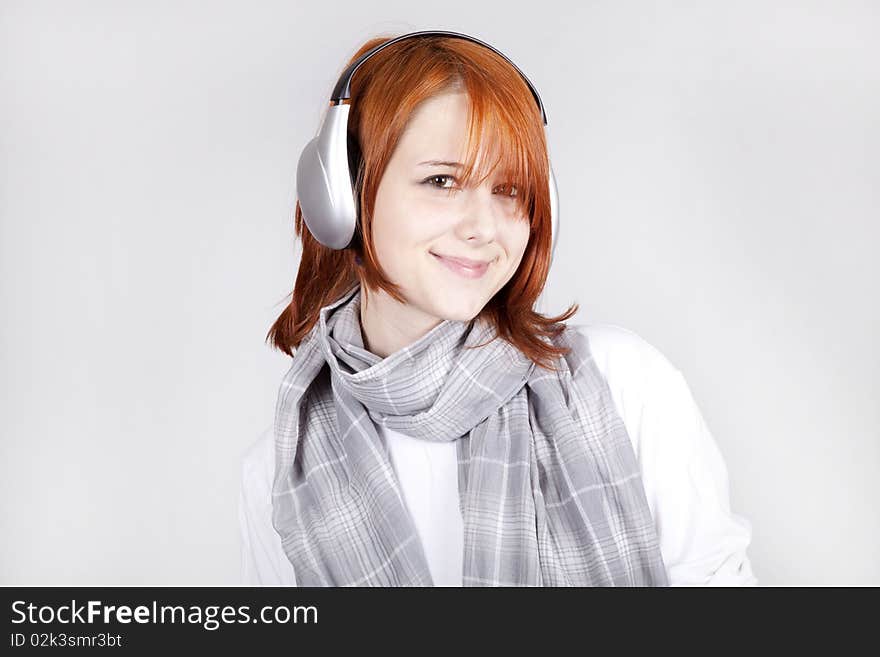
549	486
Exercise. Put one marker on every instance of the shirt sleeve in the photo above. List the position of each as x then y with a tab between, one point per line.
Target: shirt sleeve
686	481
263	561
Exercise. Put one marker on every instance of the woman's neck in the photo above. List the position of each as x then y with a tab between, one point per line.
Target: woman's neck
388	326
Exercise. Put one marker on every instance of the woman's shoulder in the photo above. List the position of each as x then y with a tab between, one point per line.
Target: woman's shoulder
647	390
625	358
683	471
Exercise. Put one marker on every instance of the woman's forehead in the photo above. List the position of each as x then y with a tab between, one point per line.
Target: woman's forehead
441	142
439	117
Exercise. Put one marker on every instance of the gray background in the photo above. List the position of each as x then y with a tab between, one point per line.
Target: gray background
718	176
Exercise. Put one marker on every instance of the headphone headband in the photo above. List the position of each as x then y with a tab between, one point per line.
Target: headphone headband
342	90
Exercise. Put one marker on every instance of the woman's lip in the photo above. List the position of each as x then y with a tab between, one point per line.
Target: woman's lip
460	268
467	262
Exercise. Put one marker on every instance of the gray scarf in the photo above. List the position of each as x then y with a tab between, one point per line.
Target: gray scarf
549	487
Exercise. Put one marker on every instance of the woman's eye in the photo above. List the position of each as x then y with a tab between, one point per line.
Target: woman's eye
507	189
432	182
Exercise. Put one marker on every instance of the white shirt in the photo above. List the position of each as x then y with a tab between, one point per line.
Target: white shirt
685	478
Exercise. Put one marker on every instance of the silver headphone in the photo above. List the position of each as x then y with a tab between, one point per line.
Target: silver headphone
324	180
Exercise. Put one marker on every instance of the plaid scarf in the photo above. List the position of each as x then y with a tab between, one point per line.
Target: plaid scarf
549	487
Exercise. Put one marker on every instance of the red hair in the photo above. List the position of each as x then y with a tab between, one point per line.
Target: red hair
385	91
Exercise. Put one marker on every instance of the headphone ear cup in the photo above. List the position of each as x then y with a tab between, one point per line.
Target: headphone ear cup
323	182
311	187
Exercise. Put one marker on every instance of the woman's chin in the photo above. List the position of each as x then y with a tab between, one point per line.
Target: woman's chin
458	307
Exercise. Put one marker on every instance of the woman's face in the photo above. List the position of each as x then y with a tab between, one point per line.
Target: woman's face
417	218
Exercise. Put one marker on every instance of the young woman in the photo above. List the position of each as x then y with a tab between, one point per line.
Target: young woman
433	429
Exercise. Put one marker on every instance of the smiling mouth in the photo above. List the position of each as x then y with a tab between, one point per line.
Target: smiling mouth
462	269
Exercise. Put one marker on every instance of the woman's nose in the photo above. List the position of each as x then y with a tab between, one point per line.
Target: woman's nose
479	212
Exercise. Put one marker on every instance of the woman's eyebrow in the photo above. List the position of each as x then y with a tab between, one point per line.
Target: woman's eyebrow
441	163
